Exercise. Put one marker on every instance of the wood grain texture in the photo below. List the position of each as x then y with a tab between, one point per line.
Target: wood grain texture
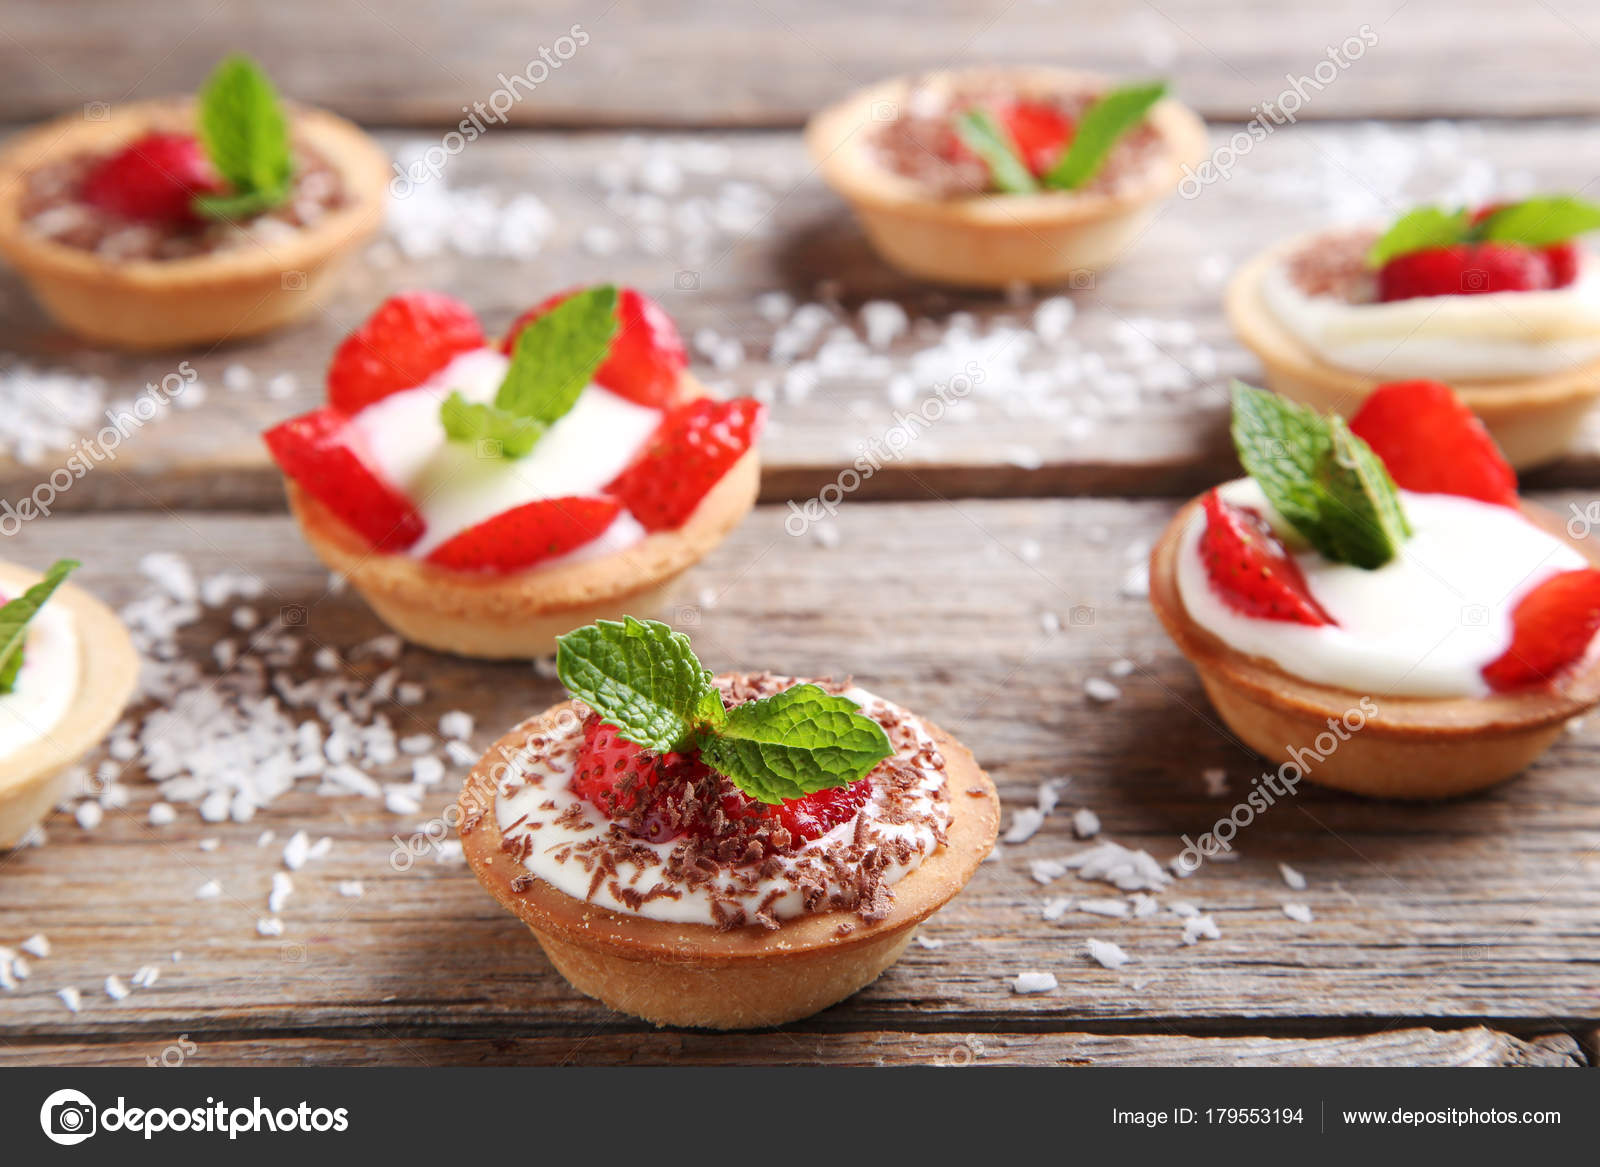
771	62
1476	1046
1116	429
1477	912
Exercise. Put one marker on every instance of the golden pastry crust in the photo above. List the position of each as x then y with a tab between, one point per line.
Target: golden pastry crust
108	672
519	616
239	292
696	975
1534	419
1414	747
992	240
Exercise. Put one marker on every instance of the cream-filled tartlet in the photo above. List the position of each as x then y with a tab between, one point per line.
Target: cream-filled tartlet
726	852
487	498
1500	302
987	177
172	222
67	668
1437	633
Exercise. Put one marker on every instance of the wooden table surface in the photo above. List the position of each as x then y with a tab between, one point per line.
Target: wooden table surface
980	579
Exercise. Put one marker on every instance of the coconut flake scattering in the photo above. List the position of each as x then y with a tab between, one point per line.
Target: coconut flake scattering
1197	928
71	998
1116	909
36	945
1121	867
1034	982
1298	912
436	219
1292	877
1101	691
43	412
1216	780
115	989
1107	954
1025	823
1085	823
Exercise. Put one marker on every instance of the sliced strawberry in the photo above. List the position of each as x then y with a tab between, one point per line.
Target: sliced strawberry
1434	444
1563	260
313	450
526	535
1250	569
695	445
647	356
1465	269
616	776
1551	629
153	179
805	818
1039	131
409	338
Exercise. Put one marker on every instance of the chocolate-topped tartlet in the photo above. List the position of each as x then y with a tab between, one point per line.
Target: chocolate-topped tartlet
988	176
768	853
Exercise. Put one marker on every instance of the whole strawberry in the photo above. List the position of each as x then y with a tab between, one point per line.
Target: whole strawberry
1463	270
153	179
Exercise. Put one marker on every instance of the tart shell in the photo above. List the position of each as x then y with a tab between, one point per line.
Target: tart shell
519	616
1534	419
157	304
32	780
1414	747
992	240
696	975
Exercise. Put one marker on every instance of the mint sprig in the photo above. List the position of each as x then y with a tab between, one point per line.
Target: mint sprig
17	614
1542	221
246	137
643	678
1323	479
554	359
1102	126
981	133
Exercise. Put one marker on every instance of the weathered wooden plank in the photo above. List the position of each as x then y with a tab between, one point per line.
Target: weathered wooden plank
1401	1047
1129	400
728	62
1479	911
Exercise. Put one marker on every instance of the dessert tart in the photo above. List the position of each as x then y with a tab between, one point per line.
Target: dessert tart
1500	302
185	221
987	177
724	853
67	668
486	497
1374	608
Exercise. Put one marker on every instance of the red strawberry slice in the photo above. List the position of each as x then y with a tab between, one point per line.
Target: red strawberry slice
409	338
1551	629
1040	132
1466	269
1432	443
526	535
616	775
314	451
1561	259
805	818
647	355
1250	569
695	445
153	179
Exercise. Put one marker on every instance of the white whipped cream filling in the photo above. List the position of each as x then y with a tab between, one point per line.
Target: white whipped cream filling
1422	625
454	488
47	683
1451	338
537	808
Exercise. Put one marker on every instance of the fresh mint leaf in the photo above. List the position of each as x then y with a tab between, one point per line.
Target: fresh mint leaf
1419	230
1324	480
638	675
987	138
554	359
795	743
473	421
17	614
1540	222
1103	124
246	136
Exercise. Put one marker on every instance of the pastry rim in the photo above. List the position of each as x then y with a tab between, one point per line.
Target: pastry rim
1435	718
974	827
1274	344
847	167
363	168
108	673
